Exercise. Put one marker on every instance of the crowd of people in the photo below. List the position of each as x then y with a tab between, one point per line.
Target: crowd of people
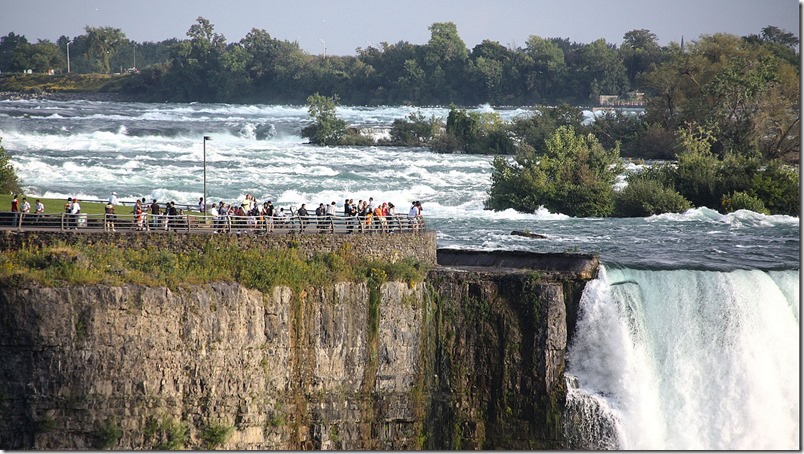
363	216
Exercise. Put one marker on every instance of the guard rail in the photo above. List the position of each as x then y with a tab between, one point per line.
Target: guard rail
211	224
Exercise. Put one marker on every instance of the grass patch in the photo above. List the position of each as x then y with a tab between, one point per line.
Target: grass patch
56	206
87	264
68	83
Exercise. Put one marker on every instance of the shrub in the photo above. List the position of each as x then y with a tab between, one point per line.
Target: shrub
215	435
415	131
352	137
107	435
327	129
165	434
445	143
574	176
644	197
743	201
477	133
777	185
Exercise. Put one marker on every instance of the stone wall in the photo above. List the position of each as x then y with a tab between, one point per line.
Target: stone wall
283	371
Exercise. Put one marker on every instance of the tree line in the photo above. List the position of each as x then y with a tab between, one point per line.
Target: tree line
724	108
261	69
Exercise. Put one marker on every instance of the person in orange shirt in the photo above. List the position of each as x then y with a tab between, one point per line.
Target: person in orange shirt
378	213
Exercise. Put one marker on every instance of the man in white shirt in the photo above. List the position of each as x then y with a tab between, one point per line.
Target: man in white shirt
75	208
413	215
331	217
113	198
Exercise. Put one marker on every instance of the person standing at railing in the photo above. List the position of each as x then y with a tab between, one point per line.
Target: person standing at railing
155	212
108	225
39	208
269	217
302	213
362	211
413	217
15	208
202	208
331	216
320	212
391	215
213	212
172	215
219	221
348	216
75	210
113	198
139	216
376	214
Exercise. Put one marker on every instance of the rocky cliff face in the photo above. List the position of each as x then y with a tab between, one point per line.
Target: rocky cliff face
468	359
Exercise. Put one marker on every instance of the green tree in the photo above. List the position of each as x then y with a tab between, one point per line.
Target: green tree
327	128
46	55
103	44
9	183
547	69
640	50
574	177
444	61
14	53
534	130
743	93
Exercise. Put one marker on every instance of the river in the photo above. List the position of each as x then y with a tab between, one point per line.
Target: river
689	337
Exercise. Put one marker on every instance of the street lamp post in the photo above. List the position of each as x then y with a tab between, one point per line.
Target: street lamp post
205	173
68	57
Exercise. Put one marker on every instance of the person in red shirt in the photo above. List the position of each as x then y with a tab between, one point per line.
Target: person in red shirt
15	205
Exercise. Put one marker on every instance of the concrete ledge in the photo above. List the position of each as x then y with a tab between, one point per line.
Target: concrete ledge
583	265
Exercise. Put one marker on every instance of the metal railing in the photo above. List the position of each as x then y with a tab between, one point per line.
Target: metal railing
211	224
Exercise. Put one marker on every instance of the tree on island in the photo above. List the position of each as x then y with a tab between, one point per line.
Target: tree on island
574	176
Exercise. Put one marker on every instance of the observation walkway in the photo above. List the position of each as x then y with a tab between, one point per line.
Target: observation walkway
337	224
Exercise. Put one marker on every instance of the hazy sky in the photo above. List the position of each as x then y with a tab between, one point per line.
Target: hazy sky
344	25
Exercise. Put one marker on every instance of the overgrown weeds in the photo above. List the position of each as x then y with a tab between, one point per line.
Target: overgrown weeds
261	269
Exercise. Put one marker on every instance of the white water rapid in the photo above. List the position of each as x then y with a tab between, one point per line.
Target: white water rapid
686	359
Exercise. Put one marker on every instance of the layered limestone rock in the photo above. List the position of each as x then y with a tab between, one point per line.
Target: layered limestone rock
469	359
275	367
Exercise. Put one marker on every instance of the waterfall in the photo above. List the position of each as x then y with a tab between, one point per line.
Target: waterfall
686	359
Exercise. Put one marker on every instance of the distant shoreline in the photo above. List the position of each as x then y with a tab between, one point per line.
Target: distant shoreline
61	96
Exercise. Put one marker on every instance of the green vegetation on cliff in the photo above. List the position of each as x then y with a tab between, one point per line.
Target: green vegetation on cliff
9	183
263	270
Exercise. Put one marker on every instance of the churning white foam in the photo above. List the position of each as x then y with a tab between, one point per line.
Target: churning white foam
692	359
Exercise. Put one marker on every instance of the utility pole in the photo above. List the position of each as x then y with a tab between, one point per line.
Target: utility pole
205	174
68	57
